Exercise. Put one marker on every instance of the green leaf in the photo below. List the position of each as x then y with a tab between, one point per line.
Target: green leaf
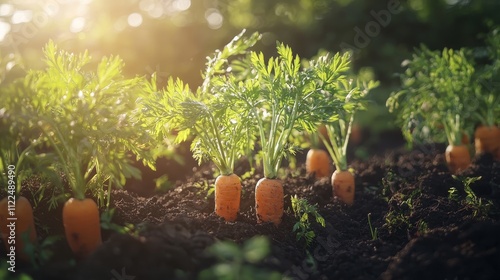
226	251
256	249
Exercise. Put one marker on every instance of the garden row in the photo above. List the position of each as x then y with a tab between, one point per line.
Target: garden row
91	126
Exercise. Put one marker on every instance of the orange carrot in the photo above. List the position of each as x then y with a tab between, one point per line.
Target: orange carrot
227	196
23	221
269	200
343	186
82	226
356	134
457	158
487	140
318	163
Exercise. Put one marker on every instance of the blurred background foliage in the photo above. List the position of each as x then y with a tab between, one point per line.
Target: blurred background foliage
173	37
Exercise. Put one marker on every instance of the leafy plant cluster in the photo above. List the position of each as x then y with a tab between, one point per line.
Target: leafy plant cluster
85	122
91	124
444	94
75	121
247	100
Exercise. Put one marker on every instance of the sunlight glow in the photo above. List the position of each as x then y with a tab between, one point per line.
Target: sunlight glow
6	10
181	5
134	19
77	24
4	30
22	16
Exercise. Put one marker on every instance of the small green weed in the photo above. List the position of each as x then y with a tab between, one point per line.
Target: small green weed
480	207
204	188
302	210
373	231
422	227
107	224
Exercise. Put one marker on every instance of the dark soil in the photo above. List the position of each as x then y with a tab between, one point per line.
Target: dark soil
421	232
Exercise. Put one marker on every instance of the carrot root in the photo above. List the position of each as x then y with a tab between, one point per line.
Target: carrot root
318	163
269	200
82	226
24	225
487	140
343	186
227	196
457	158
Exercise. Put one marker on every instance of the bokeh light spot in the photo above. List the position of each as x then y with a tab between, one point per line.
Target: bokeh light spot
182	5
134	19
6	10
22	16
4	30
214	18
77	24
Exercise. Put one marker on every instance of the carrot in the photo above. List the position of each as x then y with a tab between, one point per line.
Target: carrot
24	225
343	186
318	163
356	134
82	226
269	200
227	196
457	158
487	140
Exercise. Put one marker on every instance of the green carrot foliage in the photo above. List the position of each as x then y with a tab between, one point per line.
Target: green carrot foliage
88	119
220	131
350	92
438	89
280	97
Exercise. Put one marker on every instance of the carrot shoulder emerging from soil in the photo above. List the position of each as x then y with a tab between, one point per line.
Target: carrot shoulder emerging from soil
343	186
24	223
457	157
82	226
227	196
487	140
318	163
269	200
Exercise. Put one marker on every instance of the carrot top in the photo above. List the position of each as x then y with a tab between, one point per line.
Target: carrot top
280	97
438	89
221	131
349	92
88	119
487	99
